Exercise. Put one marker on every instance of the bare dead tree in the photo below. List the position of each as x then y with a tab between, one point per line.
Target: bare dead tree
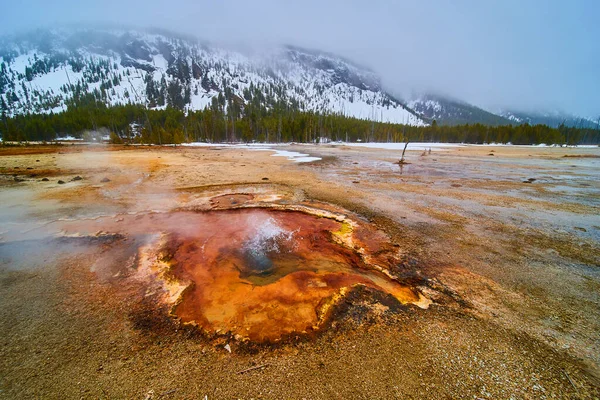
402	160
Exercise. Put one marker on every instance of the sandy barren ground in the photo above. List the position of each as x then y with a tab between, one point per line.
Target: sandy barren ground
505	241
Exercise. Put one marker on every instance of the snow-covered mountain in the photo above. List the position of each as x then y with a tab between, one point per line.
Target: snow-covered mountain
446	111
46	70
553	119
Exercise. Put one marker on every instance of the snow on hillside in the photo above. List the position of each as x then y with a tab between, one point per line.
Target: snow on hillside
553	119
44	71
433	105
452	112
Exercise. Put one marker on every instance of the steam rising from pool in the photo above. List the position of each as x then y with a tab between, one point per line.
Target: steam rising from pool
268	238
255	273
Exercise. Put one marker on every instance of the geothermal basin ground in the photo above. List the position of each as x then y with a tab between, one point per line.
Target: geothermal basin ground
228	272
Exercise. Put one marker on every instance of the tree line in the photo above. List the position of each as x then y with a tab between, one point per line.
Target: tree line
248	119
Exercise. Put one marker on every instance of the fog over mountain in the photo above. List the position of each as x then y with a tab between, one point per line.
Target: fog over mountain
509	55
45	71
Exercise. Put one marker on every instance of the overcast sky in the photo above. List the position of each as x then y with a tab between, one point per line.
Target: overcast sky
526	54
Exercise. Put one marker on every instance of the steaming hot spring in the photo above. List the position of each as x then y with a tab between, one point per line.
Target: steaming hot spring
260	271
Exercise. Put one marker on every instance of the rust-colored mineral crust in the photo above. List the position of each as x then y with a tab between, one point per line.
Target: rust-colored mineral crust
259	271
262	274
